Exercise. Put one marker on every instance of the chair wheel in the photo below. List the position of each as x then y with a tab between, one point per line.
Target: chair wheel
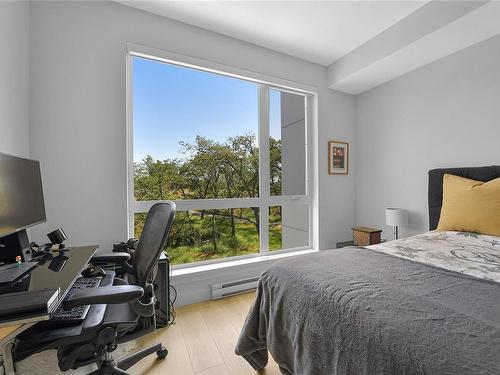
162	353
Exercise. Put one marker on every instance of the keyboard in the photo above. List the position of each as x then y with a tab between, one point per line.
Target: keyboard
76	314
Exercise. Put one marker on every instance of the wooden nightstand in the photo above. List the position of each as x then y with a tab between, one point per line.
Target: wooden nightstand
364	236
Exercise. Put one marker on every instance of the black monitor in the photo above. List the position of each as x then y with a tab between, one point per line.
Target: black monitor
21	200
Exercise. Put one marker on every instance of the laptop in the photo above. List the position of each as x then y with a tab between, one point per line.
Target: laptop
10	273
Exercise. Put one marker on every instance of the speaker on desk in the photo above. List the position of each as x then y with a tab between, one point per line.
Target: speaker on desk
57	237
13	245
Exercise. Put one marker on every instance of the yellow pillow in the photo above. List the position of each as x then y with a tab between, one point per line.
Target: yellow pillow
470	206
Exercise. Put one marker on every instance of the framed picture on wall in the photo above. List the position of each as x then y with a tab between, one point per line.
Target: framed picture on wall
338	157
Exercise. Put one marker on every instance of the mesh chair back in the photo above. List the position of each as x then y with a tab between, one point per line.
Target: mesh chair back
153	240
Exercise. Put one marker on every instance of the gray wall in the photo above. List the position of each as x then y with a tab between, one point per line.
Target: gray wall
14	82
78	112
445	114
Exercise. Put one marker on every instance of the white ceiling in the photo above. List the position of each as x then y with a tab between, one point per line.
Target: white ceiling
317	31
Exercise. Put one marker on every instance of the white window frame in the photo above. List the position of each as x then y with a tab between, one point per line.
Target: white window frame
265	200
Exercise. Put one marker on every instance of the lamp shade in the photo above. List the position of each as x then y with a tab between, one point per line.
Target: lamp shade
396	217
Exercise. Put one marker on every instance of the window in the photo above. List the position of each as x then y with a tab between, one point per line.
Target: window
231	152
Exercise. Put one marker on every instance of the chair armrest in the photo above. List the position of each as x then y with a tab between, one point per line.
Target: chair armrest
117	258
104	295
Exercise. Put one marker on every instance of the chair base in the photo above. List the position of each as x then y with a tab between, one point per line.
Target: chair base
111	367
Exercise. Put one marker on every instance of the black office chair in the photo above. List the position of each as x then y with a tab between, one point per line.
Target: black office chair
121	311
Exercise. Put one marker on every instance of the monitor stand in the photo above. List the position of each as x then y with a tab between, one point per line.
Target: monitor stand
13	245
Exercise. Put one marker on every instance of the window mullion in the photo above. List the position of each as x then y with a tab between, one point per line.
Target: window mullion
130	151
264	168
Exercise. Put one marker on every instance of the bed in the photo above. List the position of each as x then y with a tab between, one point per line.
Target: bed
428	304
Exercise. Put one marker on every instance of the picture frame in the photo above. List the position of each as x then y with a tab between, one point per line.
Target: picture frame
338	157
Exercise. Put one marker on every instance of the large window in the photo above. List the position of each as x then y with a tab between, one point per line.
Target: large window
232	153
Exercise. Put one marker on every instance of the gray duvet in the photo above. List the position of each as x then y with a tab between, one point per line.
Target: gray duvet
356	311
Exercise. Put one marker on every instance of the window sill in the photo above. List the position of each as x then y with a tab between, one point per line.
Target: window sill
198	270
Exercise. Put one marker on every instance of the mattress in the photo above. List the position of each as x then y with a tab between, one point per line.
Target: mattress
472	254
425	305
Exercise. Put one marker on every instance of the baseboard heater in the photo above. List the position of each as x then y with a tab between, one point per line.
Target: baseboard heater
234	287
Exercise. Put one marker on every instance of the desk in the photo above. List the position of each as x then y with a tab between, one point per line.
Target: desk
43	277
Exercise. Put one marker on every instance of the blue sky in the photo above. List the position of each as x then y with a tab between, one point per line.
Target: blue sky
172	104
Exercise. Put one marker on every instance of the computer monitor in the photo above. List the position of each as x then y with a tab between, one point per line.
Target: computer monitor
21	203
21	194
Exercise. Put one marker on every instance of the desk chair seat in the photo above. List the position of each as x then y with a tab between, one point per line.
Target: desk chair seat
119	312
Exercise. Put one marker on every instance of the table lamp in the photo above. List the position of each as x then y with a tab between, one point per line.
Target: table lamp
396	217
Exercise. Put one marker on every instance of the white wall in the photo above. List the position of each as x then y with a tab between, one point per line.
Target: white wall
78	112
337	121
446	114
14	82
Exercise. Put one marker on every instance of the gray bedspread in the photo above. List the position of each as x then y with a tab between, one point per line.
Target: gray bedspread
356	311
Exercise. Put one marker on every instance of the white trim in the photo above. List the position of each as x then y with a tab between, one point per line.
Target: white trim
199	269
264	169
264	200
239	257
313	177
218	68
211	204
129	148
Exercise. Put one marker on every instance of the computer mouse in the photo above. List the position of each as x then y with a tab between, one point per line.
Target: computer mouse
57	264
93	271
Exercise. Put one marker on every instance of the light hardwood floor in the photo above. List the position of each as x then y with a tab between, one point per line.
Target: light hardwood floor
201	342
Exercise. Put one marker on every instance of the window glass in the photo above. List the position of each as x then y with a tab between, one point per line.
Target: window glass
195	141
210	234
287	143
195	133
288	226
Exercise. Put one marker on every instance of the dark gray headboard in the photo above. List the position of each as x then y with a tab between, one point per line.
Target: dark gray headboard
436	186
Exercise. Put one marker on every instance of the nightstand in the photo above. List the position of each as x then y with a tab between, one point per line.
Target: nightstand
364	236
